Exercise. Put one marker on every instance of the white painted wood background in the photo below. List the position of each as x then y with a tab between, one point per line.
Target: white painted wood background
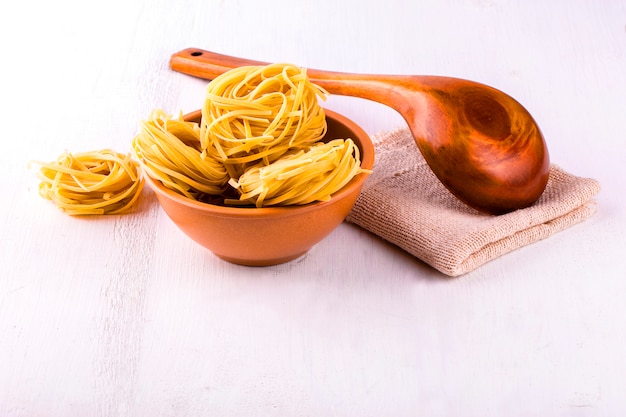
125	316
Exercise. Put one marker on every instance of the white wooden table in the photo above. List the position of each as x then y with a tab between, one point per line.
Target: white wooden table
125	316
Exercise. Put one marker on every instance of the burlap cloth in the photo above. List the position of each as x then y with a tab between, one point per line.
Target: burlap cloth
404	203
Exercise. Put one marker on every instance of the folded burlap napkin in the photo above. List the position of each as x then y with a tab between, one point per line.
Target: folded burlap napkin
404	203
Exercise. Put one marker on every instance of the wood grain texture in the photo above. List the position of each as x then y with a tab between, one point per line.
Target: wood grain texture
126	316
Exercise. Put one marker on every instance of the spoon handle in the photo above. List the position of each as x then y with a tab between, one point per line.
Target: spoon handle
208	65
205	64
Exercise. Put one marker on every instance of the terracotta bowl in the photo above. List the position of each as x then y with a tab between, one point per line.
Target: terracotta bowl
269	235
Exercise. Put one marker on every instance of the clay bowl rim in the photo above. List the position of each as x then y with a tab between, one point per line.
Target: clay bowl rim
362	139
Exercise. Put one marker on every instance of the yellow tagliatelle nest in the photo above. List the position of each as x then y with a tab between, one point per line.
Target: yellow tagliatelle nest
259	113
169	150
100	182
302	177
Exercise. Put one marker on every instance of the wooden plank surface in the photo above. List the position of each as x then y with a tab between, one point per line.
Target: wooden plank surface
125	316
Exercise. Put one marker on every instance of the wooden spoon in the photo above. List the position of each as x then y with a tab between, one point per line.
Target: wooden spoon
481	143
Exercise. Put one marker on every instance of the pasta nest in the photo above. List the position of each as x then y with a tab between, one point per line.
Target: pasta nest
169	151
258	113
98	182
301	177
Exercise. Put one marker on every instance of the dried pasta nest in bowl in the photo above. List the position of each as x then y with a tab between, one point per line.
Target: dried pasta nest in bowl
258	142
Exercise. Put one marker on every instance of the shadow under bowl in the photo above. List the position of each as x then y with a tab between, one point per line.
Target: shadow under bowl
268	235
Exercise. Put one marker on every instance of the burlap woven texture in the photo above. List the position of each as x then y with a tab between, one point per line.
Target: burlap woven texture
404	203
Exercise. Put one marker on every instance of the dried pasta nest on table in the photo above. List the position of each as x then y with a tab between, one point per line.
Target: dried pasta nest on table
97	182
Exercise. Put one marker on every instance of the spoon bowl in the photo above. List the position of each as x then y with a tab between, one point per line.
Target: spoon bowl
483	145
